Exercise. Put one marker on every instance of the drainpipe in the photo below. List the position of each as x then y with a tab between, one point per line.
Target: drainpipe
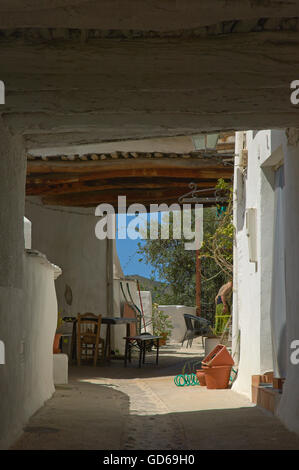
109	275
237	196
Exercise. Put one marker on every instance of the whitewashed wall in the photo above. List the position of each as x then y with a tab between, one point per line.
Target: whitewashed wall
252	281
147	303
176	314
288	409
28	309
67	236
119	331
26	380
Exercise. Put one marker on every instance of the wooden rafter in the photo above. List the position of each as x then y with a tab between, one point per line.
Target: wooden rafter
94	198
87	182
58	188
47	166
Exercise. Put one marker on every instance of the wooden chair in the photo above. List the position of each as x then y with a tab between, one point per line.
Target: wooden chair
88	337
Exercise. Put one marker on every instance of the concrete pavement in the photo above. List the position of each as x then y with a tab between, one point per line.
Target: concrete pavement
130	408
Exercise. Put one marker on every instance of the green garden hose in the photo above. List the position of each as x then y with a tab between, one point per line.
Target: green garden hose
183	380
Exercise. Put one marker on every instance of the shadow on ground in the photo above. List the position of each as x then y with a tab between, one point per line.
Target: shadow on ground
230	429
170	363
71	422
80	415
111	407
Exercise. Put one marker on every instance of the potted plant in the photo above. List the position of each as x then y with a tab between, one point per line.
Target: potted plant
162	325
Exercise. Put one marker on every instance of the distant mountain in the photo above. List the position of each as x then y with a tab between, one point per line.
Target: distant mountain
150	284
145	283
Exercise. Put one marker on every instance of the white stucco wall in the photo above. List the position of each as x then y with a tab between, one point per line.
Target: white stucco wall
67	236
27	233
253	288
147	303
28	328
119	331
288	409
176	314
252	281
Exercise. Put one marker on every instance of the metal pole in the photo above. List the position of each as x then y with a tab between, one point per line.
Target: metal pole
138	287
198	284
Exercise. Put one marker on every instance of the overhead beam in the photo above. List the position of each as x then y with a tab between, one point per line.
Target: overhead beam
58	188
74	93
133	196
143	127
172	173
134	15
39	108
176	65
133	165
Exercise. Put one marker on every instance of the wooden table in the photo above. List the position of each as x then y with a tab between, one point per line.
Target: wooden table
141	342
109	321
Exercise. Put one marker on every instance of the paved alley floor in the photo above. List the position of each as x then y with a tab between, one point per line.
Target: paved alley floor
129	408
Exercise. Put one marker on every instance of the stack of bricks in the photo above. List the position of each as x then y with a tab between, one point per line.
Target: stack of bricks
266	391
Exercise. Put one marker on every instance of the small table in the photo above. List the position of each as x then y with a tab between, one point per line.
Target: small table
141	342
105	321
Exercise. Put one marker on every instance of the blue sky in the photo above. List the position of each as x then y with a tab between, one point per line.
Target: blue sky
128	257
127	248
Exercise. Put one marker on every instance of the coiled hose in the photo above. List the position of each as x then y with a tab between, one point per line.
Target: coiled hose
183	380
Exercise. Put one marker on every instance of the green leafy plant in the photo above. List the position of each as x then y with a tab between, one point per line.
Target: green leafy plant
219	245
162	325
175	267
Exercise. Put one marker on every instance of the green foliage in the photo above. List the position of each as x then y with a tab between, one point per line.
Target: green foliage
161	322
176	268
219	244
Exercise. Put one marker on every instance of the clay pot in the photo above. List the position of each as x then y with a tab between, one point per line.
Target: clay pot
200	374
219	356
162	341
217	376
56	349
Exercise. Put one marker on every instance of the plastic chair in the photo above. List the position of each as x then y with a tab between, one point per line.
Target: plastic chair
195	326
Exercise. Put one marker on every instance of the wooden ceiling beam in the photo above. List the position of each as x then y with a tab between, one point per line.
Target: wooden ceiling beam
119	165
92	199
139	173
58	188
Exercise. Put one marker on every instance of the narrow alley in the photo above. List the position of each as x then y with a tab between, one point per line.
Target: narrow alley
149	169
116	408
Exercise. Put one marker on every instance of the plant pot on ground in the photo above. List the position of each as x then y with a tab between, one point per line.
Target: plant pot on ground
56	349
163	339
57	337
